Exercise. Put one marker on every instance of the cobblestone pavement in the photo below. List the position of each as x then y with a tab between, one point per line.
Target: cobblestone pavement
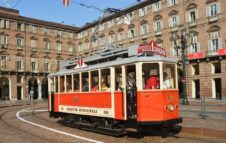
212	129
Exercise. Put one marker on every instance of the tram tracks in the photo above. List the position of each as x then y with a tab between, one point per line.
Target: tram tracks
20	131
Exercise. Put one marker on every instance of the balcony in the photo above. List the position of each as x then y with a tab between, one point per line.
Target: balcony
19	48
222	51
3	66
197	55
212	18
47	50
192	23
33	49
158	32
4	46
211	53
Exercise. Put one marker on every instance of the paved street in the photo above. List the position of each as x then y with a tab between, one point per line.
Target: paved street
27	126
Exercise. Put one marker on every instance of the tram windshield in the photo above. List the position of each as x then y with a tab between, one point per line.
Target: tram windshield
150	73
169	76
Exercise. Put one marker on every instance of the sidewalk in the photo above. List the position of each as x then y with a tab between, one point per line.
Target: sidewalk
4	103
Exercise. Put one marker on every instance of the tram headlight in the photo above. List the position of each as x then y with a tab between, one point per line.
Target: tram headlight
170	108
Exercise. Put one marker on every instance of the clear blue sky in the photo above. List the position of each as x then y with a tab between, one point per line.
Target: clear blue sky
55	11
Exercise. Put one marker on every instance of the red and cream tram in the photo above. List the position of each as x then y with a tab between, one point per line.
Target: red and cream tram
117	89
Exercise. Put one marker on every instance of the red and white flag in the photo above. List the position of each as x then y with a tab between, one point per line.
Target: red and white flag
66	2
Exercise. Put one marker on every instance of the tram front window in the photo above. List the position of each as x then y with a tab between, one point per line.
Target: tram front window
69	83
62	88
169	76
150	73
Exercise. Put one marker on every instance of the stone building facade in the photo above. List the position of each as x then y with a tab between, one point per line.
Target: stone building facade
157	20
29	50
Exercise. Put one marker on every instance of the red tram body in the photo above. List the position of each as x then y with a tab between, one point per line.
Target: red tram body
118	107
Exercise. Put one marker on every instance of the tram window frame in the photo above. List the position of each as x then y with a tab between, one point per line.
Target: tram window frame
169	78
62	86
85	82
118	79
105	80
51	85
69	83
151	75
56	84
94	81
76	82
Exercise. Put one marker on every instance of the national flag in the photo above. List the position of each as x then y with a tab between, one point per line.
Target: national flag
66	2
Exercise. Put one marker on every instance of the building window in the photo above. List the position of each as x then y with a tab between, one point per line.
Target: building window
172	2
85	33
19	64
70	48
32	28
70	35
86	45
3	62
192	15
130	16
94	43
19	43
144	29
214	42
80	48
195	69
19	26
174	21
213	9
121	36
156	6
111	39
143	11
47	46
158	26
58	33
101	27
175	52
33	44
216	67
45	31
80	35
59	47
4	41
111	23
34	64
195	47
101	41
46	65
131	33
4	24
119	20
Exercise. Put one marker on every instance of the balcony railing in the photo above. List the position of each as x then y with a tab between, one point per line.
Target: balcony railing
47	50
213	18
158	32
192	23
4	46
33	49
210	53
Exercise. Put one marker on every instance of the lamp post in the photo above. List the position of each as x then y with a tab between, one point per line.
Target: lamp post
184	37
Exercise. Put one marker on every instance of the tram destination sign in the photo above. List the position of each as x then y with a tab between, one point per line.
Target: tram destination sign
151	47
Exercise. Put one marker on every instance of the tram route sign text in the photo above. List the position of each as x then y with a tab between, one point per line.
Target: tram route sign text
151	47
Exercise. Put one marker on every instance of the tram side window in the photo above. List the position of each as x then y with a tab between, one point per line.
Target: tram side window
62	84
94	81
105	80
76	83
56	84
69	83
118	79
150	74
169	76
85	82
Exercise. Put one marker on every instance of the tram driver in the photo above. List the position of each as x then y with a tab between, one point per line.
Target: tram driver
152	82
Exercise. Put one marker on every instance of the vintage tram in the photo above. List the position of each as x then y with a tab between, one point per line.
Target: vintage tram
115	89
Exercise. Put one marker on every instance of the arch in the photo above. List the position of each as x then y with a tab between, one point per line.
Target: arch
4	88
59	58
87	40
80	42
46	57
173	12
34	56
111	32
4	52
33	38
213	28
33	87
58	41
143	22
157	17
45	88
131	26
102	35
19	54
19	36
46	39
4	33
209	1
70	43
120	29
191	6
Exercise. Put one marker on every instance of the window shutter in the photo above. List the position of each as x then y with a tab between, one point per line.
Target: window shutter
7	24
22	27
207	11
2	23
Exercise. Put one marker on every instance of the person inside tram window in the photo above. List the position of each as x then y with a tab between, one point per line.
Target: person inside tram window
152	82
95	87
105	87
69	87
131	80
85	87
119	83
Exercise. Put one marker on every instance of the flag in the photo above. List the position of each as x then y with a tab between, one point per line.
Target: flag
66	2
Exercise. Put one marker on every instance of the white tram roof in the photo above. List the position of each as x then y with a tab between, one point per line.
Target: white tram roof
104	55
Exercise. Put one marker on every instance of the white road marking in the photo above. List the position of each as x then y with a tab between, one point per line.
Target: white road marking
50	129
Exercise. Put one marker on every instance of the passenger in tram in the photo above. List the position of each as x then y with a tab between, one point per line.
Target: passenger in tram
85	87
105	87
130	80
95	88
152	82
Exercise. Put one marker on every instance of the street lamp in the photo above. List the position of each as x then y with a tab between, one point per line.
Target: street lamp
184	37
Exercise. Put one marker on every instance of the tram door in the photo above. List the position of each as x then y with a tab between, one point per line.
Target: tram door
131	91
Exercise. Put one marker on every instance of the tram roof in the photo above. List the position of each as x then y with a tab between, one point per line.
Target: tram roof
115	63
